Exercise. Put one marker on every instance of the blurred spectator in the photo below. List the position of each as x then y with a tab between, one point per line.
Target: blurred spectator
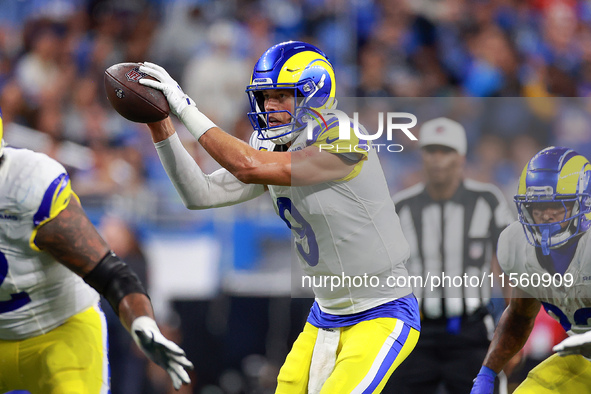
490	164
12	103
222	98
572	126
373	78
493	70
180	35
38	71
258	37
139	41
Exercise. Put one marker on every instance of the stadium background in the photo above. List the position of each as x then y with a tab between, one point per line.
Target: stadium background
219	279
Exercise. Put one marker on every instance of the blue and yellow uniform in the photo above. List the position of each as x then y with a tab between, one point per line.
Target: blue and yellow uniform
355	336
52	332
551	261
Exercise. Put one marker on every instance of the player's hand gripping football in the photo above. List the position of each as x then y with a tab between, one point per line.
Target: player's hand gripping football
163	352
177	99
575	344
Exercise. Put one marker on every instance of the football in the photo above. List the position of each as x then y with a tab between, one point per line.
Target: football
131	99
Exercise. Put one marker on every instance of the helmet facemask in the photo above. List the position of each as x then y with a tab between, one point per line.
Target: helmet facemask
555	234
259	118
303	105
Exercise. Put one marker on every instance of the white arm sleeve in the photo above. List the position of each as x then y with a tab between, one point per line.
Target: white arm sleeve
199	190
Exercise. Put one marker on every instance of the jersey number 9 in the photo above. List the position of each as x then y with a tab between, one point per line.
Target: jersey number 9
305	234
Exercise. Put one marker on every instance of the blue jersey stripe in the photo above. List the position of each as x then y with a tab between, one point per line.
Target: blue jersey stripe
389	359
405	309
45	208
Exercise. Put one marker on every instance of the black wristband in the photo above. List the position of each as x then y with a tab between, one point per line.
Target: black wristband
114	280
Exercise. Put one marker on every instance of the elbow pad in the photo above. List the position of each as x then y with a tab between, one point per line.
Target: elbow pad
114	280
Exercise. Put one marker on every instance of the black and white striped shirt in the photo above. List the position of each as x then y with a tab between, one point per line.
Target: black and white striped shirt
451	239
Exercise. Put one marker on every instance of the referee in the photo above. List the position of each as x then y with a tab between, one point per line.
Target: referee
452	225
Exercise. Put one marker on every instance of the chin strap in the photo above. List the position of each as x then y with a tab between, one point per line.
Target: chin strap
547	232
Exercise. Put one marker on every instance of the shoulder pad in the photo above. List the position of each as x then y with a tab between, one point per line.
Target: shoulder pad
258	144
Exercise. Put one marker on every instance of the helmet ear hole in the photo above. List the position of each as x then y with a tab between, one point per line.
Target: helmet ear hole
260	100
262	120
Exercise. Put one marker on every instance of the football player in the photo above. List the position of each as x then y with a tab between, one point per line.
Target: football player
330	192
547	255
52	330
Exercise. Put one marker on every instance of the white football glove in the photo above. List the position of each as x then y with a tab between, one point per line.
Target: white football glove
177	99
163	352
180	104
575	344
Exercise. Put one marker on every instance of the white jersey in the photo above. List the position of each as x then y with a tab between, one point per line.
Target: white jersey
37	293
345	227
569	304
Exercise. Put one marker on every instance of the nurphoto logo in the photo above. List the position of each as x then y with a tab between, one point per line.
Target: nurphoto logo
392	124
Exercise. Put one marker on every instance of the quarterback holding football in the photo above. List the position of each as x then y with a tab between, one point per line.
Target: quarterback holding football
335	201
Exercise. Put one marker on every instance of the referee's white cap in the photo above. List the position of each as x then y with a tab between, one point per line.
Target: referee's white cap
444	131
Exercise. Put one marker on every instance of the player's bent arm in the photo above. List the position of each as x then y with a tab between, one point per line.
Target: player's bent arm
513	330
308	166
304	167
72	239
246	163
235	155
510	335
250	166
198	190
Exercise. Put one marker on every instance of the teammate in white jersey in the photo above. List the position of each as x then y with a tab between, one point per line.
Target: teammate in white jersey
333	195
52	331
548	257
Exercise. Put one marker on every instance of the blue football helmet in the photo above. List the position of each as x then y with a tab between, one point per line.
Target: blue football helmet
555	175
292	65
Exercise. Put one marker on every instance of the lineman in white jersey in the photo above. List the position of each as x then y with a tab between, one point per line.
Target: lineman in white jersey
52	332
334	199
548	258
